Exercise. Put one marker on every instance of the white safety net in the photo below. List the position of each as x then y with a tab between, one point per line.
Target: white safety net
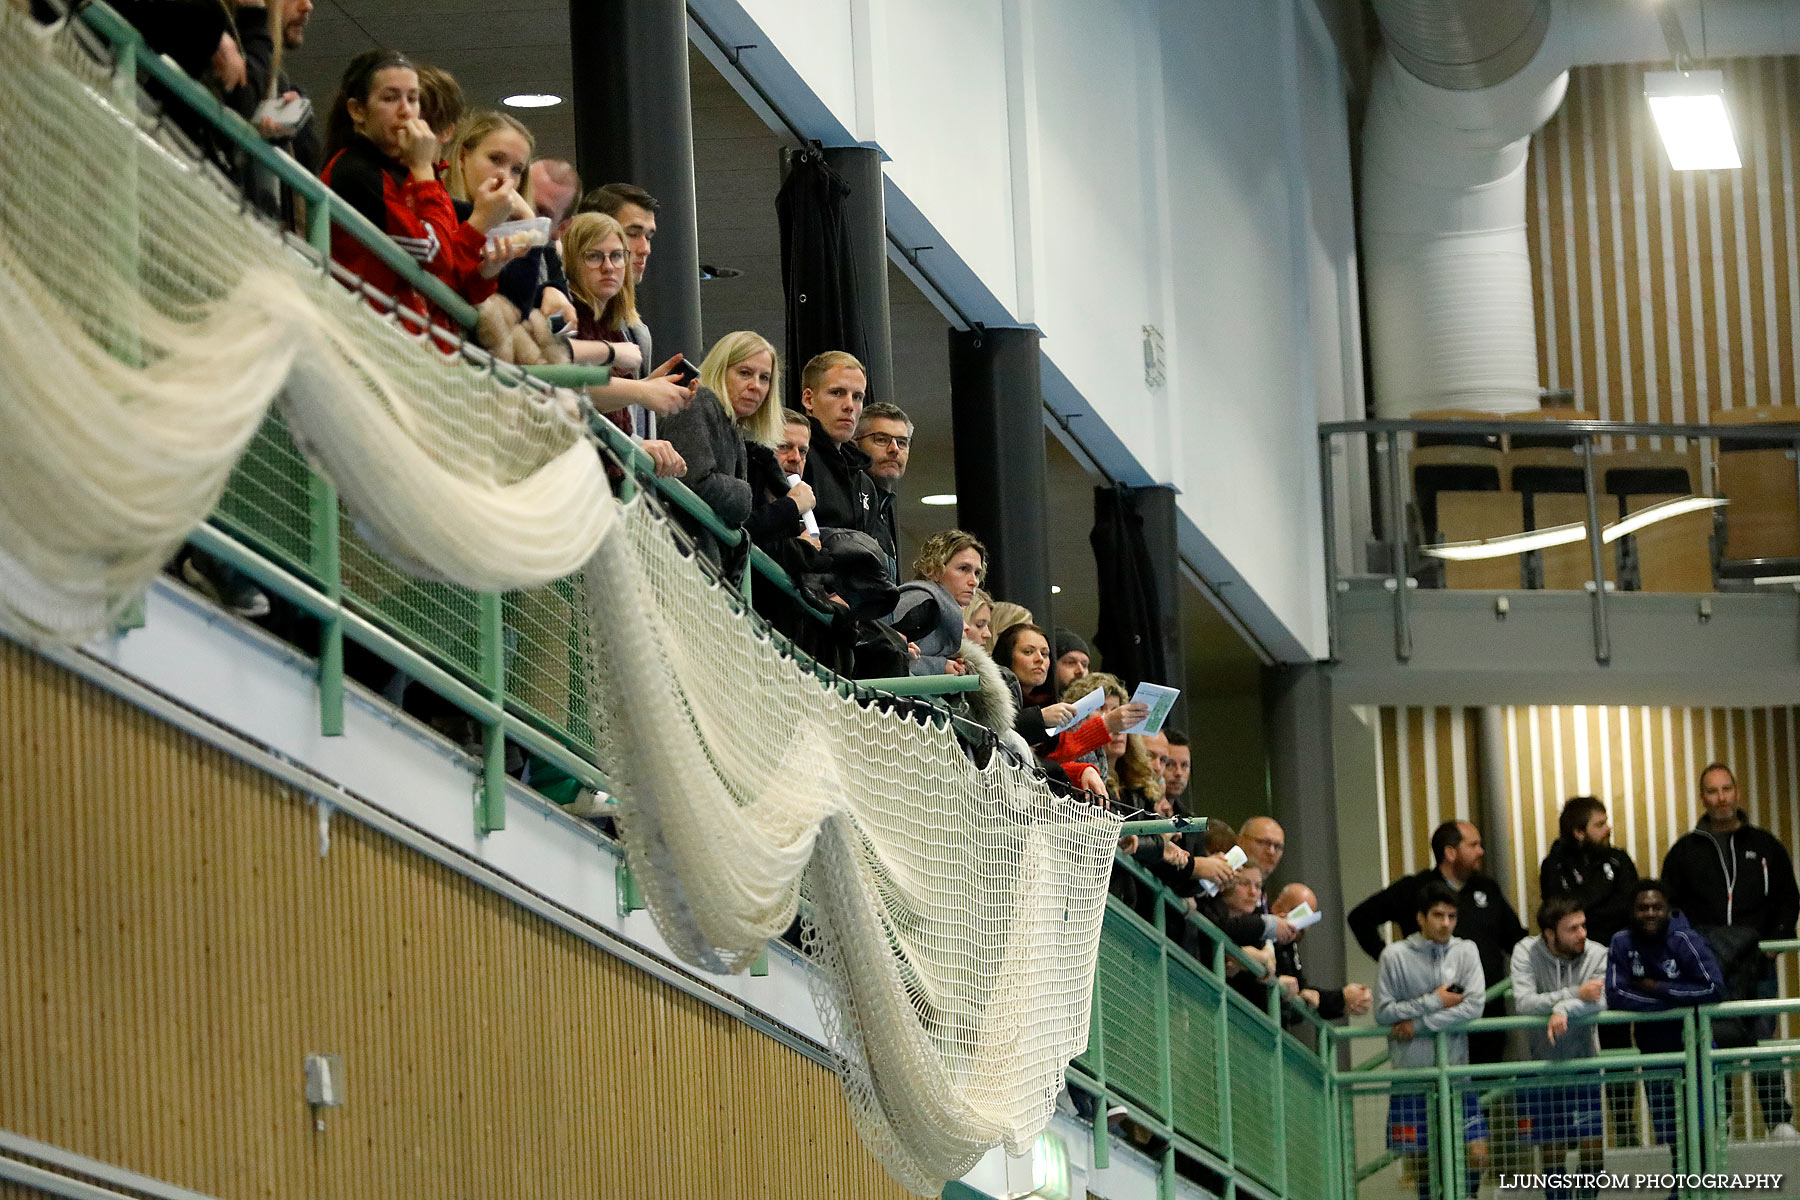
955	910
148	325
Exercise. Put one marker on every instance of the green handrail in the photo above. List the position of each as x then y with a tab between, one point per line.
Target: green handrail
119	33
125	40
1215	935
925	685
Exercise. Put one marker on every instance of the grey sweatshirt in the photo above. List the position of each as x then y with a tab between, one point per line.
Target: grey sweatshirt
1406	990
1543	984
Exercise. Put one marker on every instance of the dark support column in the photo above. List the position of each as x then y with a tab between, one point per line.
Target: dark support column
634	124
1156	508
1297	723
997	416
865	224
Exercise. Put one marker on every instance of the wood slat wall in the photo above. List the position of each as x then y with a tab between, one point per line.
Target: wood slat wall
1663	294
174	945
1643	762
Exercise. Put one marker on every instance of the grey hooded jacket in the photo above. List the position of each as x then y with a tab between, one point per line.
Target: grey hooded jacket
1543	984
1406	990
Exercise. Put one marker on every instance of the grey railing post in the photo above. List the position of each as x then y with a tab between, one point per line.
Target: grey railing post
1397	544
1328	503
1596	554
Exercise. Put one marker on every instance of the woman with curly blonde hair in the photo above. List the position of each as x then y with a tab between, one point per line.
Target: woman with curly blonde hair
946	573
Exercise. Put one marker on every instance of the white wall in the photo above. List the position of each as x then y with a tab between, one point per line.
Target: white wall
1102	165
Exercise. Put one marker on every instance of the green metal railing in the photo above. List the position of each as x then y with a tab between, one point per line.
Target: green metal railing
1209	1076
511	663
1689	1086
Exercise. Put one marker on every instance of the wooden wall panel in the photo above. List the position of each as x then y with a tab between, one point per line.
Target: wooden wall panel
1644	763
1661	294
174	946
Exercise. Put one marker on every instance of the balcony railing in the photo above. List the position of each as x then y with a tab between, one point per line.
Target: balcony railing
1552	501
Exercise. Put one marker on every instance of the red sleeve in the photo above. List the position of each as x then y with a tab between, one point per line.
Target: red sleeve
454	245
1091	734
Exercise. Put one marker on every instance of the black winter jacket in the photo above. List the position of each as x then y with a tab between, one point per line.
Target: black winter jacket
839	476
1740	878
1287	962
1483	917
883	528
1600	877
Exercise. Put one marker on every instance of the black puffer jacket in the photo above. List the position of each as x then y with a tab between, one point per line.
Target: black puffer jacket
839	475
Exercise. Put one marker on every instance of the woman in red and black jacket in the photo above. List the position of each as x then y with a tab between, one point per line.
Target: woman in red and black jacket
380	157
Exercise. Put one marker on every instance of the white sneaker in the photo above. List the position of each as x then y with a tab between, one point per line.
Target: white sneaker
1785	1132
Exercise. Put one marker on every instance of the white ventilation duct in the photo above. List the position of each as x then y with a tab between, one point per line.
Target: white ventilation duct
1455	98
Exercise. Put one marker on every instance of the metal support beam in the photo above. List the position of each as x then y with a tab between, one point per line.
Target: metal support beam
1596	555
997	416
634	123
865	227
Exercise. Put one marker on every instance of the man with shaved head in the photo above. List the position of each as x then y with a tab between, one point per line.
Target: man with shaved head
1352	999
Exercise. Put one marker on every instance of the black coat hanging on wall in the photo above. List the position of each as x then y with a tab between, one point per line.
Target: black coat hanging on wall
818	274
1130	637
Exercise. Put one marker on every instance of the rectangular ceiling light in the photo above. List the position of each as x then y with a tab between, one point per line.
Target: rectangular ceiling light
1689	110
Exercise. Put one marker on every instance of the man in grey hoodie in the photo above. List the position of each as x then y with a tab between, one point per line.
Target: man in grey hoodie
1561	975
1430	983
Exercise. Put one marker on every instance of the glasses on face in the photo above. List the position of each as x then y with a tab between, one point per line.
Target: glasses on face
884	440
603	258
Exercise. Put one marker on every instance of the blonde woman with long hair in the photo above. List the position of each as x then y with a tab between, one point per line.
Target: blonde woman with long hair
493	145
736	419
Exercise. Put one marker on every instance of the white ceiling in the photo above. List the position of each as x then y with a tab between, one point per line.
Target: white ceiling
496	50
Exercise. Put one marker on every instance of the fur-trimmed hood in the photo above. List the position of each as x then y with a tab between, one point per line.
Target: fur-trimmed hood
992	706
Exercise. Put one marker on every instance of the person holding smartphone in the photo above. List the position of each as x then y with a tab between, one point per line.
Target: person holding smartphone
1429	983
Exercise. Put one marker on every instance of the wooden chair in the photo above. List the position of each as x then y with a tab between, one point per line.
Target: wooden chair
1469	516
1452	468
1569	568
1762	521
1629	473
1674	555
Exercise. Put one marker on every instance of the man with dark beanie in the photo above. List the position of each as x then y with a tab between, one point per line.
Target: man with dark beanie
1073	658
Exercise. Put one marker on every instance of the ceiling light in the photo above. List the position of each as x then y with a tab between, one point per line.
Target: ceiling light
939	500
532	100
1563	535
1055	591
1689	110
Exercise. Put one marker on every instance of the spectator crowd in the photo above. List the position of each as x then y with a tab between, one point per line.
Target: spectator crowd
814	487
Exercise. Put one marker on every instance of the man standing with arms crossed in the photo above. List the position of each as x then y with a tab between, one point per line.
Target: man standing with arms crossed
1735	884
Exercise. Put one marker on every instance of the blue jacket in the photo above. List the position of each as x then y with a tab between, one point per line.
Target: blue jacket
1682	964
